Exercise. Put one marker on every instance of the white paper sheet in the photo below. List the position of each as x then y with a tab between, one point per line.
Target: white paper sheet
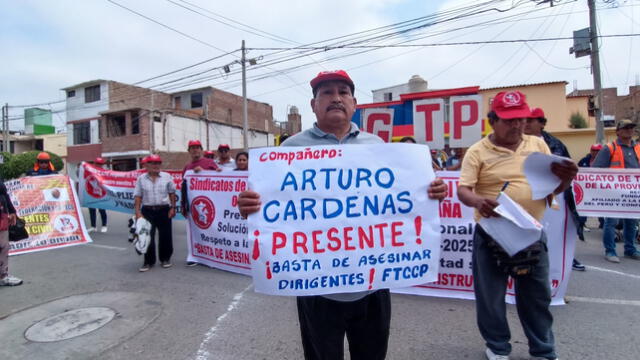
514	229
537	169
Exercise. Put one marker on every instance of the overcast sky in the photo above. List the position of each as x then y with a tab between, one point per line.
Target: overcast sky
48	45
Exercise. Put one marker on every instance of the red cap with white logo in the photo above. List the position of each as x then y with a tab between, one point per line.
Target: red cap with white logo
511	105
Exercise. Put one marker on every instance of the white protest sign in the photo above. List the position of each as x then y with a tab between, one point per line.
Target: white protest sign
465	119
455	279
608	192
217	234
428	122
456	228
378	121
337	219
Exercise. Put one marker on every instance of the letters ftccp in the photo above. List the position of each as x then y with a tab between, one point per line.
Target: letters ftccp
427	116
338	219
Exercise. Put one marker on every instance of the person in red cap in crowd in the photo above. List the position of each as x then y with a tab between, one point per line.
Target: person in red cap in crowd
363	316
197	164
155	199
209	154
535	127
42	166
99	162
488	167
591	156
586	162
225	161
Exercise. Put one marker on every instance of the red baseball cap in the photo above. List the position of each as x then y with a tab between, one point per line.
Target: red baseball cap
536	113
144	160
209	153
43	156
596	147
100	161
194	143
335	75
154	158
223	146
511	105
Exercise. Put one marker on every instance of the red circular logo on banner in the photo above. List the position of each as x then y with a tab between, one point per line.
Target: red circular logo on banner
94	188
578	192
202	212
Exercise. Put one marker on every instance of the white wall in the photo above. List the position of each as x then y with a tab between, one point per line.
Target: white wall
224	134
69	134
94	126
180	130
77	109
378	95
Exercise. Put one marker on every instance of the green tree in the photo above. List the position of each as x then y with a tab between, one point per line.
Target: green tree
21	163
577	121
4	166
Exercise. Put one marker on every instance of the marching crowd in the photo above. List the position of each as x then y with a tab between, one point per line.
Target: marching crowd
364	317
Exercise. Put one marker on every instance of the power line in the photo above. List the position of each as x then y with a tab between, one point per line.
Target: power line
361	40
36	105
168	27
186	67
256	32
404	23
543	60
506	74
450	44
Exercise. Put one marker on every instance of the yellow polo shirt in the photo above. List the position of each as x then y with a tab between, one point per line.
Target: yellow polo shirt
486	167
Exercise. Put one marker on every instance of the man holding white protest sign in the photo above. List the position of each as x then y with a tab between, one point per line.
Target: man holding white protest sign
491	167
197	164
623	153
364	316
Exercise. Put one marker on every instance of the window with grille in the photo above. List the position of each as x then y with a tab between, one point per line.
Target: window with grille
81	133
92	93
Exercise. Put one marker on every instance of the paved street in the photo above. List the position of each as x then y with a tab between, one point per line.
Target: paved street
202	313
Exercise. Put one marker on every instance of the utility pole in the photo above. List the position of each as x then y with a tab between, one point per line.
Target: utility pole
245	116
5	127
595	69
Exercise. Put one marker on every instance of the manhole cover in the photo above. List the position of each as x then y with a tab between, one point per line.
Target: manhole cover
69	324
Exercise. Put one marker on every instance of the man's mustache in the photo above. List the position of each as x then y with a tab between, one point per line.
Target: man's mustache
336	107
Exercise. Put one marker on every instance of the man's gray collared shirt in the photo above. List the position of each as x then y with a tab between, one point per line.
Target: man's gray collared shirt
315	136
156	192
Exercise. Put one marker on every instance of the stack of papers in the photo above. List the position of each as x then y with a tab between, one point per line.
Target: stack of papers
514	229
537	169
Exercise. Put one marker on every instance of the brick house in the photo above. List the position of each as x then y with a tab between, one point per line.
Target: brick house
124	123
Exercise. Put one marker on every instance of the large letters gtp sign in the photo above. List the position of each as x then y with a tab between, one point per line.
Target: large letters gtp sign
465	120
428	122
379	121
